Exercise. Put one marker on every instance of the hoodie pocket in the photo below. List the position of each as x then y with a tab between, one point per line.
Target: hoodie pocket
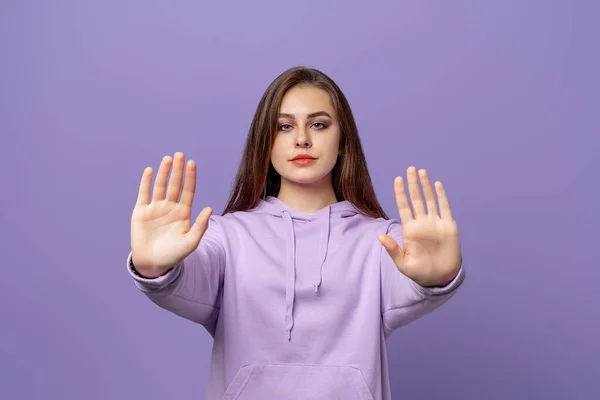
294	381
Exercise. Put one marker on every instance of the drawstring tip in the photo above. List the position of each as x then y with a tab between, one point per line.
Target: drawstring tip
316	288
289	335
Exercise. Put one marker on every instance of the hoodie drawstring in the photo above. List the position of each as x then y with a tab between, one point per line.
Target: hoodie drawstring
290	263
290	271
323	246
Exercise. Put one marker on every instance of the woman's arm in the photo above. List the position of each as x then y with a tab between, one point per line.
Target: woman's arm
402	299
191	289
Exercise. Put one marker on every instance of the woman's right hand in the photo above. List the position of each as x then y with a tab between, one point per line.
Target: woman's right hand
161	230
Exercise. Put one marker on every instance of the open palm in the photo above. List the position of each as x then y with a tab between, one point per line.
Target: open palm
430	253
161	229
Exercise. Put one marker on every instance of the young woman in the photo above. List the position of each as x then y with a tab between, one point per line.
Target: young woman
303	277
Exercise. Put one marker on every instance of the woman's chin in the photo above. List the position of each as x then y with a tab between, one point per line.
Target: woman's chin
306	177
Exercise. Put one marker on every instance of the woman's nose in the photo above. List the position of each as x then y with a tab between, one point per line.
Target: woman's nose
302	139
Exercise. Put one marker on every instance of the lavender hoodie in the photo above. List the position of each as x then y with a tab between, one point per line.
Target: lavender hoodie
299	305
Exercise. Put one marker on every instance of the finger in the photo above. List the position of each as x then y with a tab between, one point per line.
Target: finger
144	190
189	184
176	176
401	200
443	200
393	249
160	184
428	192
200	226
415	193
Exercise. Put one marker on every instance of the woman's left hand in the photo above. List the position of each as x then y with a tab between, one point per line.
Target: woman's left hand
431	253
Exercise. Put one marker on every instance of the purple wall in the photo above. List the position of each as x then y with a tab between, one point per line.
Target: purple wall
499	100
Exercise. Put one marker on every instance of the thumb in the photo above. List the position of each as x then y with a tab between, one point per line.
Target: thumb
200	226
393	249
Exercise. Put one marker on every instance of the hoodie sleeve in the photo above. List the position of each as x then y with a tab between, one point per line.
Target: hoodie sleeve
191	289
403	300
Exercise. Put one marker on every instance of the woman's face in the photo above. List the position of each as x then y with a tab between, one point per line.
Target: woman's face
307	126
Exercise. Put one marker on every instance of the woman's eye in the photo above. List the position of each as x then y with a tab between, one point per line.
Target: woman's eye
316	125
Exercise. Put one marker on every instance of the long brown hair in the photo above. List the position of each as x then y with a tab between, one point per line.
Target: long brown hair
256	178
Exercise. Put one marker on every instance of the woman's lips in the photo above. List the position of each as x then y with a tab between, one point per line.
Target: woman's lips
303	159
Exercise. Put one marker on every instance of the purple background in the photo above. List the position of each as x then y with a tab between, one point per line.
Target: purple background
499	100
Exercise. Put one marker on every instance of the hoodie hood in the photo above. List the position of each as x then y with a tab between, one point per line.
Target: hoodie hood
324	217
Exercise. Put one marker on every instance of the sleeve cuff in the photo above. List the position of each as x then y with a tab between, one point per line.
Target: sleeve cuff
153	284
